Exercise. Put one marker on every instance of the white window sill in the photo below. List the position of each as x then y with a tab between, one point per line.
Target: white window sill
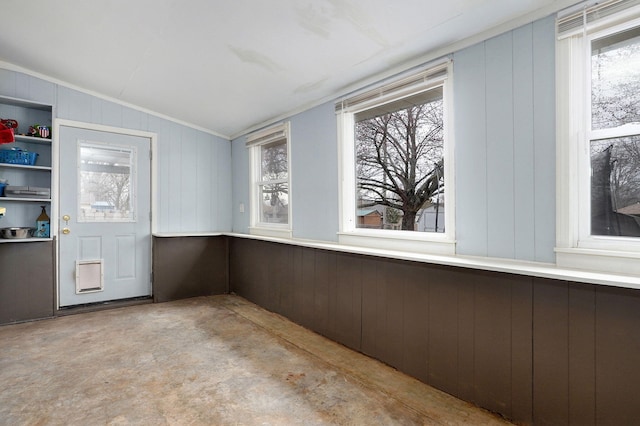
270	232
401	241
606	261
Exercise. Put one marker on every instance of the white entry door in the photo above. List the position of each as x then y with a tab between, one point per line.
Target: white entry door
104	223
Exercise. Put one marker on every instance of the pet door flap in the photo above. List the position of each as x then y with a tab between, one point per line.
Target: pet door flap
89	276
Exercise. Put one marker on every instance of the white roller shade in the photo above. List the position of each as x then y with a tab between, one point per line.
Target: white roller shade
269	135
579	18
397	89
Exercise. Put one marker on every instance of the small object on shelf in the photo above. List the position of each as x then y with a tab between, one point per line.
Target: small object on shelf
16	232
10	123
3	184
18	156
27	192
3	211
6	134
43	131
42	224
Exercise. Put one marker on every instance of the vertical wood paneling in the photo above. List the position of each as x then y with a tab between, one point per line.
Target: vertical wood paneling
617	356
299	309
523	154
8	83
223	203
133	119
189	267
96	110
415	321
582	318
539	351
325	268
163	159
466	335
26	292
443	330
188	174
306	286
522	350
390	345
204	187
371	314
500	173
347	313
550	352
282	278
111	114
492	343
174	170
470	151
73	105
544	137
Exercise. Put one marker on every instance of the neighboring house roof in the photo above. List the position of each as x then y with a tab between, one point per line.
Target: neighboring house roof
630	210
367	212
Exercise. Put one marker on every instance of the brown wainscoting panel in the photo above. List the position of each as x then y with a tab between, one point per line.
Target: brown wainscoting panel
345	303
415	315
189	266
27	286
617	356
538	351
582	323
493	340
522	350
381	306
550	352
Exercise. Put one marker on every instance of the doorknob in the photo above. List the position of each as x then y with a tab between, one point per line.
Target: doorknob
66	231
66	219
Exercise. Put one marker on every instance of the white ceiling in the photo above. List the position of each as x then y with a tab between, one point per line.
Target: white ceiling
227	66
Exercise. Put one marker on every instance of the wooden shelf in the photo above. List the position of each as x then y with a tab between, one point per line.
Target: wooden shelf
41	200
23	240
31	139
26	167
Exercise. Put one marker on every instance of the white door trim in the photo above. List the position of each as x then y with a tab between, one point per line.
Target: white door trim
55	190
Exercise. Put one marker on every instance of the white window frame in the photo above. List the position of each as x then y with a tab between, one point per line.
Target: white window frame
433	76
254	143
576	248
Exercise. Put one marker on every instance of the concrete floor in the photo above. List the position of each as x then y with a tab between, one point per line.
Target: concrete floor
205	361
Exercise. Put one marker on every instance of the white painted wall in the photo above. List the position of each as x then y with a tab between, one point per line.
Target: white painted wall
504	118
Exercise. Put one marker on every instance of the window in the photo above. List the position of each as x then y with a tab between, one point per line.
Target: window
599	138
106	184
397	164
270	188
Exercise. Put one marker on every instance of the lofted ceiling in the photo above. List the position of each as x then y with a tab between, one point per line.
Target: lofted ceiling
228	66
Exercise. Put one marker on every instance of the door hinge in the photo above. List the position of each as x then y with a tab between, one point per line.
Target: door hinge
150	214
151	278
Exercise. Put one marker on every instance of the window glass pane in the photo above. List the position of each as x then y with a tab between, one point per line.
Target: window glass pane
106	191
400	166
274	161
615	80
274	203
615	187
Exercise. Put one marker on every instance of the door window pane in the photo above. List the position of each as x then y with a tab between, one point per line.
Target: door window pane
106	183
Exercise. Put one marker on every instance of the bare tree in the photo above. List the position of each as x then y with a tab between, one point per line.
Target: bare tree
274	169
399	158
111	187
